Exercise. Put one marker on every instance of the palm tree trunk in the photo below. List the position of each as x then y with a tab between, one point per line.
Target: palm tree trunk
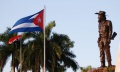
43	69
53	63
25	70
37	63
33	69
13	69
0	69
38	67
13	64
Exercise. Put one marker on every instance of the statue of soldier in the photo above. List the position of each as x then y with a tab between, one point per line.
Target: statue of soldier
104	40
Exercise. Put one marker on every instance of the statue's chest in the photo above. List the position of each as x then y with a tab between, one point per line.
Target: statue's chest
103	27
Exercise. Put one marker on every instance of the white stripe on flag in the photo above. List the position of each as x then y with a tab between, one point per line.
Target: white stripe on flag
34	16
23	25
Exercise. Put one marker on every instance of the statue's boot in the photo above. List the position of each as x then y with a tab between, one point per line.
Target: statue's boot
103	64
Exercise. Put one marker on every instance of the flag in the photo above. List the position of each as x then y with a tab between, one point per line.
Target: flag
29	24
13	39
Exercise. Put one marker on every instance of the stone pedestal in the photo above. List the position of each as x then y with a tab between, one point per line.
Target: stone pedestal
103	69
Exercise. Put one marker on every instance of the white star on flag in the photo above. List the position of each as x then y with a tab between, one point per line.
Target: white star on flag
39	20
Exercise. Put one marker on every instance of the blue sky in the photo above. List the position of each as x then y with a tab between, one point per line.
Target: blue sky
74	18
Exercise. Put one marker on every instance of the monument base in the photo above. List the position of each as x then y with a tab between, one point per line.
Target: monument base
103	69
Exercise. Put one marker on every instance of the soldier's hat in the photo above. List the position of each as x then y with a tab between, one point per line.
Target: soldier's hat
101	13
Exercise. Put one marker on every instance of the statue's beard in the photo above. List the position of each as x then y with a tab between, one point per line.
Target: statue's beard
99	20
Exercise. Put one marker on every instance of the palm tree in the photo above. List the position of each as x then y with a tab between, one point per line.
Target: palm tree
86	69
58	52
4	55
8	50
66	60
4	49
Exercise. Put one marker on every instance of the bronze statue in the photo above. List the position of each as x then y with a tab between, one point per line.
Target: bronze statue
104	40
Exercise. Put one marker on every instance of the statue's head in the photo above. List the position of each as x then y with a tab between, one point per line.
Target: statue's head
101	15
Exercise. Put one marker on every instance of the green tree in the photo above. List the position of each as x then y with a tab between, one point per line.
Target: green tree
6	50
66	58
86	69
4	55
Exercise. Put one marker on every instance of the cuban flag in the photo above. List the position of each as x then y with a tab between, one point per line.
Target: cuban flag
29	24
13	39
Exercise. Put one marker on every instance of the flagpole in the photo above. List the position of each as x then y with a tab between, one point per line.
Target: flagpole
21	54
44	39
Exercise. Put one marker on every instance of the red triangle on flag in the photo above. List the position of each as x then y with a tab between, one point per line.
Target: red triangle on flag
39	19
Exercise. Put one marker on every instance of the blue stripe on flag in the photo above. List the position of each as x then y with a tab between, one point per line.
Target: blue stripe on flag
24	20
28	29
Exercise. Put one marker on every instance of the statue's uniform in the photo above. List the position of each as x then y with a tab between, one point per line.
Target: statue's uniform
105	32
